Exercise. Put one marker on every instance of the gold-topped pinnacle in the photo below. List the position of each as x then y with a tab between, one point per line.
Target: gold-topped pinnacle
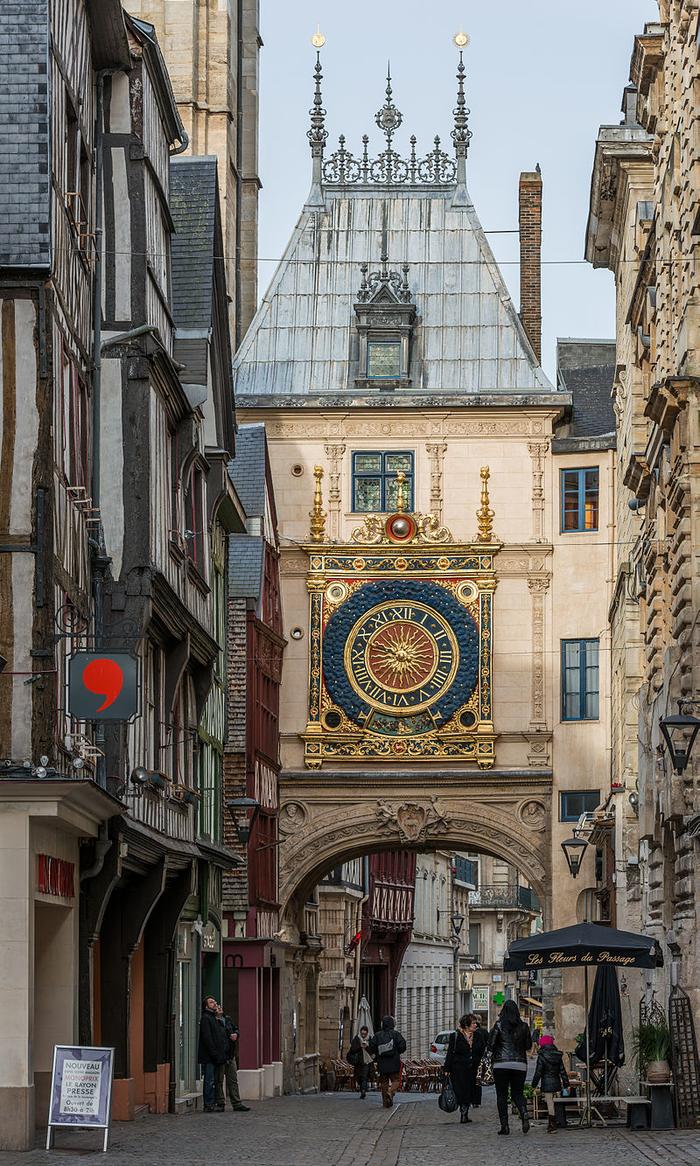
317	526
400	492
460	39
318	40
484	515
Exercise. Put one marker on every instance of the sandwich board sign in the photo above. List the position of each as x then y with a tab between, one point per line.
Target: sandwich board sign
81	1090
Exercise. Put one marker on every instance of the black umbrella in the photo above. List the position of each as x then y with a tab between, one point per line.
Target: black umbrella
605	1037
586	945
583	945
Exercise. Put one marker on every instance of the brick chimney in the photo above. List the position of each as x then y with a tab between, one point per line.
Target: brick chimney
530	221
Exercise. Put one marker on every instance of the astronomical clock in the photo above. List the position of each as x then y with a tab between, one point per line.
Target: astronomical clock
401	632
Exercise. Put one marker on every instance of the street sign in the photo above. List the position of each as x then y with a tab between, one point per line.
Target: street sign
81	1089
103	686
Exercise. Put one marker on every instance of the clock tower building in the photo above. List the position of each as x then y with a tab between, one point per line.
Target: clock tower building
443	512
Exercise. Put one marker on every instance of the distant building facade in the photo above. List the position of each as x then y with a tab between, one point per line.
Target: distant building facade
253	957
425	991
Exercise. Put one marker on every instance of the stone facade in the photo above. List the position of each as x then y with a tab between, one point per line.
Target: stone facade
425	986
212	55
643	224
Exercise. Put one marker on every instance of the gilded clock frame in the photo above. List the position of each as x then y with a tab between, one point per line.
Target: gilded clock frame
467	572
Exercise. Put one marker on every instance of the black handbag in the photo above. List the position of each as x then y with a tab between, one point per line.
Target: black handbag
447	1099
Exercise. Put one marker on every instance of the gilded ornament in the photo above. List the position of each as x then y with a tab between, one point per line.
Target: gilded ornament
317	528
484	515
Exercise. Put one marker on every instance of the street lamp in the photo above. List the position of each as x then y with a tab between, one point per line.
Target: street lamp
457	922
239	809
679	733
574	850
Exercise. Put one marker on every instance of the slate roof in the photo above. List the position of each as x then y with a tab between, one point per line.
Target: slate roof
245	566
586	369
468	339
247	469
193	208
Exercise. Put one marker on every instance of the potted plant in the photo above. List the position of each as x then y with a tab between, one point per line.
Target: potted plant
651	1049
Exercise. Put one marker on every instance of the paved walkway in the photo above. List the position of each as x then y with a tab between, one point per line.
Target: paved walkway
341	1130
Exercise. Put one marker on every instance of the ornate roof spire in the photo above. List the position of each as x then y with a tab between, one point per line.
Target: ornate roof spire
317	133
461	134
388	118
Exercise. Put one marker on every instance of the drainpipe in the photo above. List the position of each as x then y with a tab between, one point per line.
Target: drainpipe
358	951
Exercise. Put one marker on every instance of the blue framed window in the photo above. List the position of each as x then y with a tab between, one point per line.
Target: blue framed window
574	802
374	480
579	500
580	673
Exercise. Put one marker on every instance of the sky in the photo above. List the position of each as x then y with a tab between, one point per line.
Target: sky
542	76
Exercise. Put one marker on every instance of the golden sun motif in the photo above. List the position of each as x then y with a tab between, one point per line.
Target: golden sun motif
402	657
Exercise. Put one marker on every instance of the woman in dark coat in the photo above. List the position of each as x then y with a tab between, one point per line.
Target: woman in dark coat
464	1051
361	1060
509	1043
551	1076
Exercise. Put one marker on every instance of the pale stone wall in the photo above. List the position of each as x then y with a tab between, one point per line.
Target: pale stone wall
643	227
213	67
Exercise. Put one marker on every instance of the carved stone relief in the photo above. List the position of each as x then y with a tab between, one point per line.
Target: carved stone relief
537	451
436	453
334	453
533	815
538	586
412	820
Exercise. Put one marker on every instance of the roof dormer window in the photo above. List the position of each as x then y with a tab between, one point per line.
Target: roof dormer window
386	316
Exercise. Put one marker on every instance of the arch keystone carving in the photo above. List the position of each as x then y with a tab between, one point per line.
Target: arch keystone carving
413	820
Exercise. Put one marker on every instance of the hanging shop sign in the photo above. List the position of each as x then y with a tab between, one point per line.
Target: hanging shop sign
480	999
81	1090
103	686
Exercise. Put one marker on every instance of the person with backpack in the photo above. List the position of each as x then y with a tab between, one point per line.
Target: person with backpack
551	1076
386	1046
509	1044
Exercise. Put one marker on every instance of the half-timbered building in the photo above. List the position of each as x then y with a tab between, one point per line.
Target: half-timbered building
153	917
52	62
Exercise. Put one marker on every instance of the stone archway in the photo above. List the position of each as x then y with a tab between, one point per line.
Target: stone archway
327	819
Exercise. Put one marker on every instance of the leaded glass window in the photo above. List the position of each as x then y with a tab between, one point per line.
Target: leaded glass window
374	481
384	359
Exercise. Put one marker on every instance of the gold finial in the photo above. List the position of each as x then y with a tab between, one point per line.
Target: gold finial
400	492
318	40
484	516
460	39
317	525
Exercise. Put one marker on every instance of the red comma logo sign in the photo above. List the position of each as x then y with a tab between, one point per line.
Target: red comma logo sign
104	677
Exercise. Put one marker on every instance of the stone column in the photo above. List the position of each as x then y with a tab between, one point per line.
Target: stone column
538	586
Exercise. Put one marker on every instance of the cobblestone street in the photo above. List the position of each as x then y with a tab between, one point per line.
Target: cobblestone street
339	1130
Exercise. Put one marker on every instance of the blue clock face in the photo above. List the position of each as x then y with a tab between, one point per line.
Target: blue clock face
401	656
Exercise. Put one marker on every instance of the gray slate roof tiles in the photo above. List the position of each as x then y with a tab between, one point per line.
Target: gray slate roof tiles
193	208
247	469
469	338
245	566
586	369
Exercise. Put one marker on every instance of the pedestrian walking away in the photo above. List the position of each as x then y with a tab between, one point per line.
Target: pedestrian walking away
386	1046
551	1076
509	1043
465	1049
227	1077
361	1060
212	1050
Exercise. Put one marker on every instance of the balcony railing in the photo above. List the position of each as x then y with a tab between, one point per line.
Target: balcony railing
500	898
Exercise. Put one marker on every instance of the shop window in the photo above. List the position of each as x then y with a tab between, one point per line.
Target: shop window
580	695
